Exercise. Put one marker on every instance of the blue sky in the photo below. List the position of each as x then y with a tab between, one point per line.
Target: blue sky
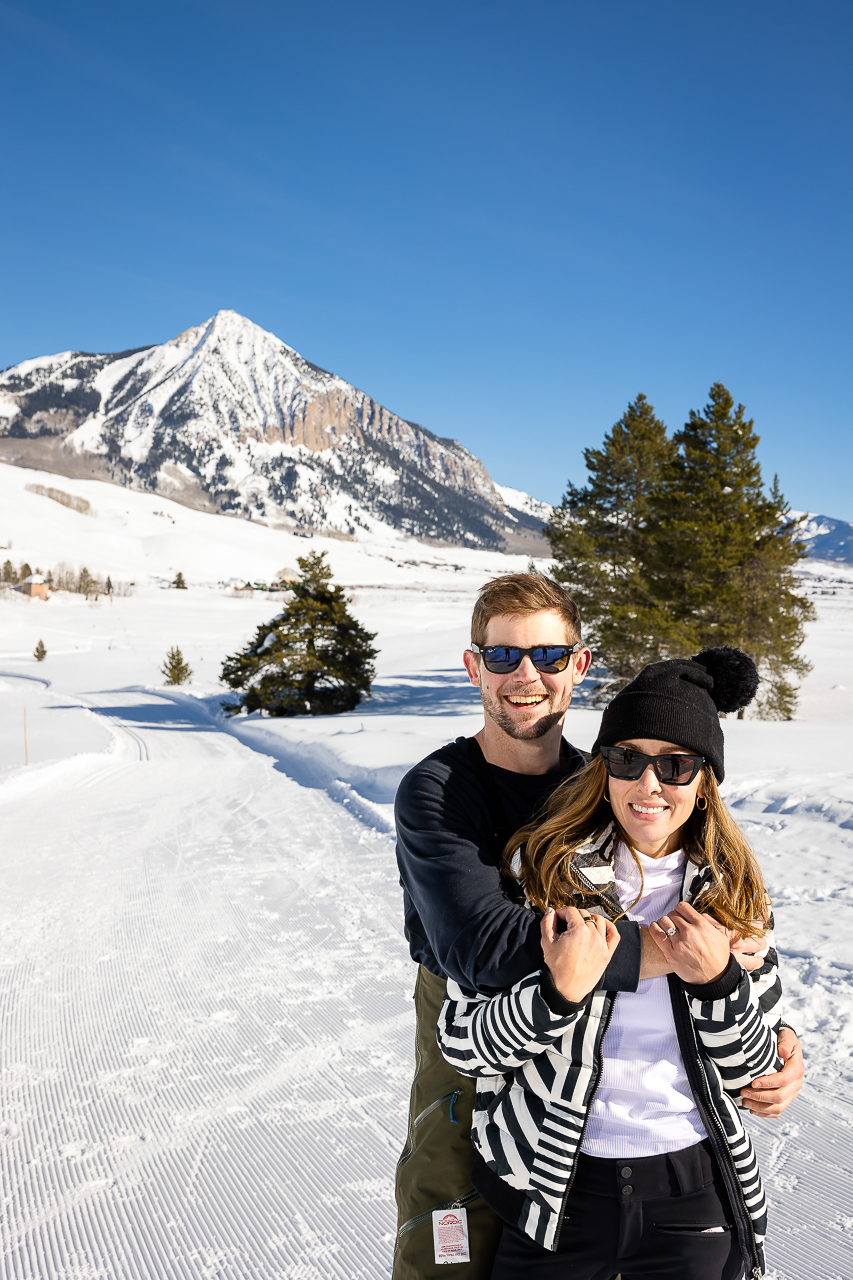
502	221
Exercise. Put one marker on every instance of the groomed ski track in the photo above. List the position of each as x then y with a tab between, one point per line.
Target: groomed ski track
206	1015
207	1019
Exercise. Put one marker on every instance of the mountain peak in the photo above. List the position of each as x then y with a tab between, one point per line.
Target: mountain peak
228	417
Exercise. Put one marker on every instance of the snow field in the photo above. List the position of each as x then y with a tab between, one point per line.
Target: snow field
205	992
205	1015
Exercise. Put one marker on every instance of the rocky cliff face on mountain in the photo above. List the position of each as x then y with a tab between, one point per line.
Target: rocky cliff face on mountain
227	417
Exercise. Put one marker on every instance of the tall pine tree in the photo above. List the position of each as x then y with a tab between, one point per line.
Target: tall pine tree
313	659
599	540
720	553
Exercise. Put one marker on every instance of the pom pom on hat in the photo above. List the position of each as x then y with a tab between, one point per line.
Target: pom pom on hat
734	674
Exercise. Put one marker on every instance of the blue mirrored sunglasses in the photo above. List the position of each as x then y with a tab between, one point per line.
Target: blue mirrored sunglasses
550	659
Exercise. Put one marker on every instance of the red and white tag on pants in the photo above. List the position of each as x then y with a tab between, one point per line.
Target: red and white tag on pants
450	1236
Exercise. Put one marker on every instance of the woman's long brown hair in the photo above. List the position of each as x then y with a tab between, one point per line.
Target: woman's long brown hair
578	811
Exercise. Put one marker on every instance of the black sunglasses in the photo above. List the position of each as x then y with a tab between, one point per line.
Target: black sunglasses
629	765
550	659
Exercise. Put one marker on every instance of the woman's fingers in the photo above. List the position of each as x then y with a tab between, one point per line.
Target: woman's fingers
658	936
548	927
584	929
571	915
611	936
688	914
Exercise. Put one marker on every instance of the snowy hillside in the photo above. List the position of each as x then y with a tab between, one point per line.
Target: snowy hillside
140	537
207	1039
226	417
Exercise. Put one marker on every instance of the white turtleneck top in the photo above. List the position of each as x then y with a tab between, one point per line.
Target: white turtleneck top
643	1105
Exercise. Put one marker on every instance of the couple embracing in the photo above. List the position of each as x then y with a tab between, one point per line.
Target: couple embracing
597	995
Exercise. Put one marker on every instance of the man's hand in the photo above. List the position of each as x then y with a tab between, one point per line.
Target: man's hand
578	957
697	950
653	963
749	952
770	1095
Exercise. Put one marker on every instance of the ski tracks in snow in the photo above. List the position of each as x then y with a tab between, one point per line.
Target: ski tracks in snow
207	1019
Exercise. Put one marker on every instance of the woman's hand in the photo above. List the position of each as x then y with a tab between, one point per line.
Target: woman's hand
578	957
698	949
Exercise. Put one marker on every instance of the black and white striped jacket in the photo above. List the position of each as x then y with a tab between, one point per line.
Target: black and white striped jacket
538	1059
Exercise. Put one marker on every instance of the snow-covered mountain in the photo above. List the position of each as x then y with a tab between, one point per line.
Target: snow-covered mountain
825	538
227	417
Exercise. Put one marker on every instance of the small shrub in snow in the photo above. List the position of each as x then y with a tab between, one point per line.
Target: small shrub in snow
179	583
175	669
40	653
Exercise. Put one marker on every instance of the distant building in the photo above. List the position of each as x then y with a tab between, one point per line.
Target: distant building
35	585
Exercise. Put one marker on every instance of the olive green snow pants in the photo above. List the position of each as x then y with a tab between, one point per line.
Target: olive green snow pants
434	1171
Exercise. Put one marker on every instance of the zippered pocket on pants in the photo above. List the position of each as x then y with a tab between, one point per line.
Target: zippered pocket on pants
433	1106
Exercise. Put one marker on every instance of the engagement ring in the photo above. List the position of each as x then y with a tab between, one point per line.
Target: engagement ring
671	931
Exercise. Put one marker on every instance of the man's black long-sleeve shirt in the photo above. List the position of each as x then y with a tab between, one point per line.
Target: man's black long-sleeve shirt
460	920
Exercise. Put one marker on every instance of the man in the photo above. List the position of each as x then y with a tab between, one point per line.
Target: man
455	812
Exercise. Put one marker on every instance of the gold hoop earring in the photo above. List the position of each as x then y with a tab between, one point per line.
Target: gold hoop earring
701	803
606	796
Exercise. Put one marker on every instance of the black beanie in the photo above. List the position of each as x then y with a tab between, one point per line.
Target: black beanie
679	701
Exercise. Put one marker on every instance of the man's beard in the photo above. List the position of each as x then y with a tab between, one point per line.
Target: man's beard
495	710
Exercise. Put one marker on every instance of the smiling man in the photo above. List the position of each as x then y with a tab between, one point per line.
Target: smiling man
455	811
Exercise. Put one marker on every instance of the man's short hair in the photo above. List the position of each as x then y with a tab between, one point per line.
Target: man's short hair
519	594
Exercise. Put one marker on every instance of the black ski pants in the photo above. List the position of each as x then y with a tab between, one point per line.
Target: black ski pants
658	1218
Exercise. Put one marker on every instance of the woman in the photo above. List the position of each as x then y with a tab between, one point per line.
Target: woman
608	1132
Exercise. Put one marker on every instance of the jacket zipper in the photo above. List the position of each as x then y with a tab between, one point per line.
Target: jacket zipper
598	1069
597	893
711	1120
597	1051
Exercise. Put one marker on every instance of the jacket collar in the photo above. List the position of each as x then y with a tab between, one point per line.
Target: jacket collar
595	858
594	861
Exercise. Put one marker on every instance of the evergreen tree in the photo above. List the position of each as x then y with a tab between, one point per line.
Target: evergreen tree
86	584
40	653
109	587
9	574
314	658
24	572
721	553
599	540
175	669
179	582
